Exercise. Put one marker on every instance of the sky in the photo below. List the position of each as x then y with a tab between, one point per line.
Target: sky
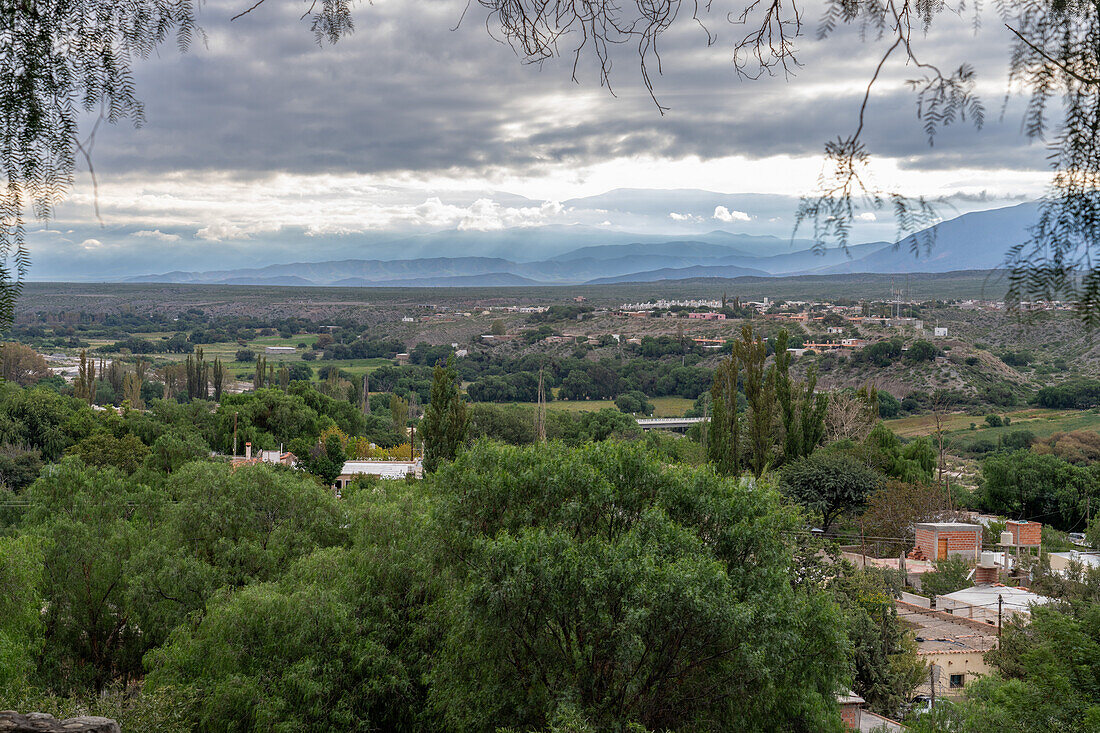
260	146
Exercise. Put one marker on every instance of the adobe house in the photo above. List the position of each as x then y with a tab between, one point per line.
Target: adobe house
939	540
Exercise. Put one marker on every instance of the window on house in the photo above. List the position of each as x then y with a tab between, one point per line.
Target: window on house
957	681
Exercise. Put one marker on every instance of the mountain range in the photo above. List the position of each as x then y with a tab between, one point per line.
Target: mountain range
974	241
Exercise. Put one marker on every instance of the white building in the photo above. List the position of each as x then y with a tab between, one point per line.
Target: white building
982	602
381	469
279	349
940	332
1060	561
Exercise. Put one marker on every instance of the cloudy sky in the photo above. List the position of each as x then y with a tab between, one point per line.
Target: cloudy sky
261	147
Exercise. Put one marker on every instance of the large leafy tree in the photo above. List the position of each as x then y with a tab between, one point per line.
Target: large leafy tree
603	584
92	523
342	640
20	609
884	656
830	483
226	529
1025	485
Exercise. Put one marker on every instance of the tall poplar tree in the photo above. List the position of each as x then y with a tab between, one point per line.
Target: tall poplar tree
219	378
724	436
759	384
801	410
446	424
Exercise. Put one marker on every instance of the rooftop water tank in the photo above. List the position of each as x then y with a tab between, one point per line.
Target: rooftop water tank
1006	538
989	559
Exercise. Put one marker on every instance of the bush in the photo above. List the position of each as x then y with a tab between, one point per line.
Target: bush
993	421
1016	358
1080	395
634	402
921	351
245	355
949	576
888	405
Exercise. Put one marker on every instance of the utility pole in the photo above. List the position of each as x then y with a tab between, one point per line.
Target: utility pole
932	682
540	416
862	545
234	435
1000	607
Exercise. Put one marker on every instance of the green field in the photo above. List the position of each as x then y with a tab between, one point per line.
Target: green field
1042	422
664	406
227	352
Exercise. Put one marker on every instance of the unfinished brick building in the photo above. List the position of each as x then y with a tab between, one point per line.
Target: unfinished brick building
1025	533
939	540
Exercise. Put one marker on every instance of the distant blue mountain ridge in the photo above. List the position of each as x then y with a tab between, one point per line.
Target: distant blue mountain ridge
975	241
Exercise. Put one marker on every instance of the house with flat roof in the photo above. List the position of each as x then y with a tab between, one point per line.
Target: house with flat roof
381	469
952	648
1060	562
986	602
939	540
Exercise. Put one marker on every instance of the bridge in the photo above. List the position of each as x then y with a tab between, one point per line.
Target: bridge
668	423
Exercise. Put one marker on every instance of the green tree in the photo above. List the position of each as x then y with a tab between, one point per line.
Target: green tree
497	327
884	657
446	424
634	402
19	467
921	351
399	414
218	377
21	630
1023	485
603	583
259	375
508	424
131	391
951	574
103	449
226	529
723	437
84	385
759	386
92	523
324	459
342	641
174	449
830	484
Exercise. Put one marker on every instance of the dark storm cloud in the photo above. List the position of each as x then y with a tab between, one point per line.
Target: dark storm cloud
407	94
